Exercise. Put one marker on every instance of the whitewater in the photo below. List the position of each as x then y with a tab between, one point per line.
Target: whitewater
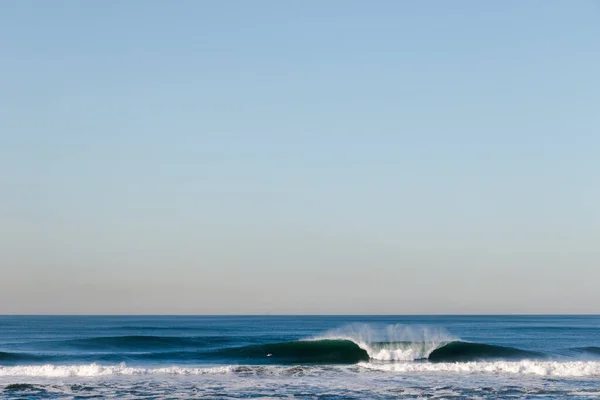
393	342
526	367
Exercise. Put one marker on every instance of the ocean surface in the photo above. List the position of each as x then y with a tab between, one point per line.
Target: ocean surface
307	357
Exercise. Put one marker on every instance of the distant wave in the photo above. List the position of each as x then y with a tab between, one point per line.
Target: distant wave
591	350
524	367
547	328
18	357
155	328
139	342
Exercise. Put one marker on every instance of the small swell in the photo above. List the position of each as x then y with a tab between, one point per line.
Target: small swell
138	343
590	350
18	357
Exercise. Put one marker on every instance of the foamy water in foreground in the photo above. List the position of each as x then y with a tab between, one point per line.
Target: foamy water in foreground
561	369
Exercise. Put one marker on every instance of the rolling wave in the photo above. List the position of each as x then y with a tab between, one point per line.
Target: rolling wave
18	357
345	351
350	344
316	351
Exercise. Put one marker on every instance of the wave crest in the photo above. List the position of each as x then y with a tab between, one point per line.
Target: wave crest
392	342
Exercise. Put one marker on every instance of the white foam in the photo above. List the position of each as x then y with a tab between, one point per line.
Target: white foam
91	370
563	369
525	367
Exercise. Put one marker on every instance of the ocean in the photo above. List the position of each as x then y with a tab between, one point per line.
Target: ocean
305	357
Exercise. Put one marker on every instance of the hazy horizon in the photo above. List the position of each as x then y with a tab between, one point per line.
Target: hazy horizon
232	315
345	157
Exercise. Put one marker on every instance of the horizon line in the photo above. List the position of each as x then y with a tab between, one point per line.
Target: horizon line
301	315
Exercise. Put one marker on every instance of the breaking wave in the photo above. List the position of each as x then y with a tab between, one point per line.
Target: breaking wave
345	351
392	342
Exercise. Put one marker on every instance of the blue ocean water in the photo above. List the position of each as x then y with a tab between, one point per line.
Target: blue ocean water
325	357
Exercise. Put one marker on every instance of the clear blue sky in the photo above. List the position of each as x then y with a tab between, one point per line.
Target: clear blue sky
299	156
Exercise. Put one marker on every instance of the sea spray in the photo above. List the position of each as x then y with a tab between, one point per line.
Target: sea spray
392	342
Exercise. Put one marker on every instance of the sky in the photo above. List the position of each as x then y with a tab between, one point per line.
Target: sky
299	157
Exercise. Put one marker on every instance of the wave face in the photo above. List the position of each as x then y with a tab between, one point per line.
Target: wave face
328	351
463	351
